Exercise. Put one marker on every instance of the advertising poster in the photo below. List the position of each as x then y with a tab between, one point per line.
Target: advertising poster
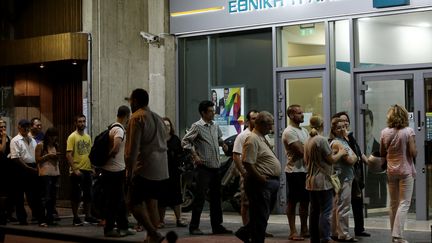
229	108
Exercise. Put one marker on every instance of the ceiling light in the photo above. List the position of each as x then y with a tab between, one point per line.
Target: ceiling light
41	65
74	62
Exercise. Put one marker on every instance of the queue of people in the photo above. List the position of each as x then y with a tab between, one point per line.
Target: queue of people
144	158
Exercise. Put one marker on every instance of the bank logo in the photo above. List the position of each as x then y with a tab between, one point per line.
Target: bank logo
389	3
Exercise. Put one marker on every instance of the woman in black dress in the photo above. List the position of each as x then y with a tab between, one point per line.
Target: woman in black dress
172	196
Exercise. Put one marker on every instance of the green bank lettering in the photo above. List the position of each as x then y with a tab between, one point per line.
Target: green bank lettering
243	6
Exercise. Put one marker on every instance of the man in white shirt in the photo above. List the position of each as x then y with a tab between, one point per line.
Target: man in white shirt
22	149
293	138
237	150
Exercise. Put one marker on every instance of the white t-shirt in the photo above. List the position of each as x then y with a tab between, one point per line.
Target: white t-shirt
291	135
239	141
19	148
117	163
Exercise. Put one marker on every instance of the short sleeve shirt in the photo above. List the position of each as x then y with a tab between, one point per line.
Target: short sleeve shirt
80	146
239	141
117	163
291	135
23	150
316	150
396	143
256	151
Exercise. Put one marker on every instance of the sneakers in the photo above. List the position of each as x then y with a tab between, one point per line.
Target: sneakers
77	222
181	223
91	220
126	232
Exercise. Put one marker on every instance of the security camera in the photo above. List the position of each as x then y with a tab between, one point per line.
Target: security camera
149	37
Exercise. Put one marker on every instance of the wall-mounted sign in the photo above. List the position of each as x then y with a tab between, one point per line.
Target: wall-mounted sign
389	3
192	16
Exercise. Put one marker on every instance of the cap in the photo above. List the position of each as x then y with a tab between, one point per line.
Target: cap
24	123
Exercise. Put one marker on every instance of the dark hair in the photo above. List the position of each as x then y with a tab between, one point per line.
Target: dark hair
204	105
290	109
171	132
342	113
47	140
33	120
249	114
123	111
141	96
263	118
369	113
78	117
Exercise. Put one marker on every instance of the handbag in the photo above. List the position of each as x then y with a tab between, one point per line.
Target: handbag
334	179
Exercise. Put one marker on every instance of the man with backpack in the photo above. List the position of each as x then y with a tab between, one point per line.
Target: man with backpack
113	178
77	153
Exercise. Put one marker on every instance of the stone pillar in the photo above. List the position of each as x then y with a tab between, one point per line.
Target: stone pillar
161	60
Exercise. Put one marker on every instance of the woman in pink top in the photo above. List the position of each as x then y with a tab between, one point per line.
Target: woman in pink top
398	147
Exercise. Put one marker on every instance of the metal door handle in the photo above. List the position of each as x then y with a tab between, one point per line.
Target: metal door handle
418	121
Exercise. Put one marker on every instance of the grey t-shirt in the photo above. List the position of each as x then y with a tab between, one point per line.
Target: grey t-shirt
316	150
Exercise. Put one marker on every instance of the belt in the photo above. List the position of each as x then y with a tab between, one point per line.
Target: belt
272	177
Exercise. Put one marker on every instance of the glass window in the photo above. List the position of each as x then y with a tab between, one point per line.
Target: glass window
309	97
341	73
395	39
193	76
302	45
234	70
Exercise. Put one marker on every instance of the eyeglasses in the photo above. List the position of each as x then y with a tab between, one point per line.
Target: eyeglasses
2	126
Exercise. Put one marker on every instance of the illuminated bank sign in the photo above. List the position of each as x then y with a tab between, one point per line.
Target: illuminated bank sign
242	6
195	16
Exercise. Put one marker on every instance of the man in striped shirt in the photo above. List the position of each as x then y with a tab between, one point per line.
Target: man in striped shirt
203	141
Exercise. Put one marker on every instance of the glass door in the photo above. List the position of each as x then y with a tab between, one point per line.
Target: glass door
304	88
428	141
377	92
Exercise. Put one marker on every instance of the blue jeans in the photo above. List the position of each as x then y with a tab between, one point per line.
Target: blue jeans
48	197
321	205
262	198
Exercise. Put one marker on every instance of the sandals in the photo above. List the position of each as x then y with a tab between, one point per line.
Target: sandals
296	238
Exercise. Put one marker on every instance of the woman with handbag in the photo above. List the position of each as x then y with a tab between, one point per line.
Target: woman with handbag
399	149
345	171
358	181
319	160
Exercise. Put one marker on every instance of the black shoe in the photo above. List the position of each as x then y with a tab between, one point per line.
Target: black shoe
243	234
180	223
363	234
91	220
77	222
195	232
23	223
221	230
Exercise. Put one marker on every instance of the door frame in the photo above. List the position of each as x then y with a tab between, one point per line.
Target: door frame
280	118
418	77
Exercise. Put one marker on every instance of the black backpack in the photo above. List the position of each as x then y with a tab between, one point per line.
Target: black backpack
101	147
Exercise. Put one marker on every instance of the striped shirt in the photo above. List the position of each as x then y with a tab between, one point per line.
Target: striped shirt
205	139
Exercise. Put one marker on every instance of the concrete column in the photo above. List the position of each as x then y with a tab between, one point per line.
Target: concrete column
161	57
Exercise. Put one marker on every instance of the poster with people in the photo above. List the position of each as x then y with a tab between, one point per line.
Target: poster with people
229	108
